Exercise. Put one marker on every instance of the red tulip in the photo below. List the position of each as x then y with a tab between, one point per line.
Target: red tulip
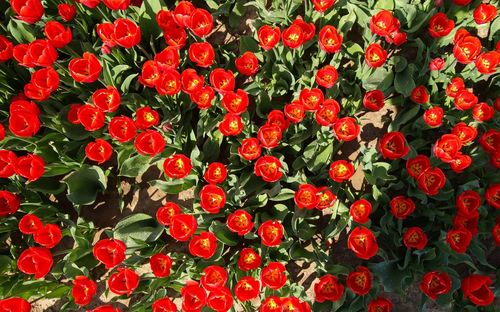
269	136
164	305
177	166
125	281
271	233
273	275
322	5
268	37
235	102
346	129
231	125
464	132
440	25
493	195
168	58
9	203
191	81
247	64
35	260
213	277
383	23
415	237
222	80
14	304
216	173
249	259
7	163
327	113
327	76
203	245
29	224
6	49
374	100
293	36
476	288
250	149
182	227
487	63
329	39
31	167
393	145
268	168
431	181
360	211
363	243
58	35
48	235
311	99
459	239
484	13
117	4
203	97
305	196
467	49
380	304
150	143
212	198
111	252
83	290
201	22
202	54
99	151
193	297
433	116
66	11
375	55
165	213
341	170
240	222
29	11
360	281
86	69
420	95
247	288
328	289
220	299
402	207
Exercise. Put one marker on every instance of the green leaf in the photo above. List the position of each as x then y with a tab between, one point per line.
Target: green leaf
285	194
136	228
84	184
223	234
147	19
248	43
404	117
298	252
135	166
391	277
46	186
385	4
172	187
403	82
19	31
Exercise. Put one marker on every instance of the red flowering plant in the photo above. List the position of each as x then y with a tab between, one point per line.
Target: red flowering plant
189	155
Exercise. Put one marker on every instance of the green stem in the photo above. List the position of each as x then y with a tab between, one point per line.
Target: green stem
148	56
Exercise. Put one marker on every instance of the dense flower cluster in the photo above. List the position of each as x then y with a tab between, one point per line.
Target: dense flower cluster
108	90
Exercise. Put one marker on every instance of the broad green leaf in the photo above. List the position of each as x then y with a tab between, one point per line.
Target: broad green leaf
84	184
136	228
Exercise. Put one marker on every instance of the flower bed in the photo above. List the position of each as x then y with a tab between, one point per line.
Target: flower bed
356	137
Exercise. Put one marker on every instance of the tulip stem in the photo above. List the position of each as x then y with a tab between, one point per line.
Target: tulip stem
102	13
148	56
